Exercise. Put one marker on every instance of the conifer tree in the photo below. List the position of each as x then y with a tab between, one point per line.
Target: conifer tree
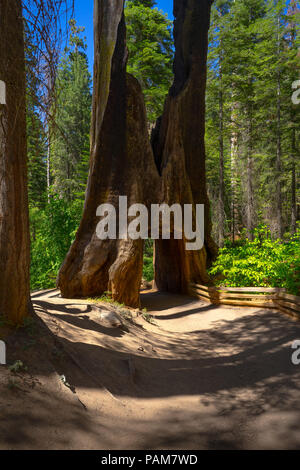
70	140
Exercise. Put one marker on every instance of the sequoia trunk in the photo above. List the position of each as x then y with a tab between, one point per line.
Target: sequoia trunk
14	224
178	143
123	163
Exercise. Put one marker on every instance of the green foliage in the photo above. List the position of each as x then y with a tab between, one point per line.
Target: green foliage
18	366
36	136
149	41
145	3
262	262
106	298
53	230
70	143
252	62
148	318
36	151
148	268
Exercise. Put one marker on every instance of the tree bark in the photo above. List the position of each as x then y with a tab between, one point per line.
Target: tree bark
278	144
123	164
221	222
249	185
278	164
234	177
14	220
178	144
293	185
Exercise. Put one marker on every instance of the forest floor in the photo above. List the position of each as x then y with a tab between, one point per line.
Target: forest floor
201	377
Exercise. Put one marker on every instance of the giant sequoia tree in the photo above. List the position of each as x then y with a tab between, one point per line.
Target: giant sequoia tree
14	229
178	144
123	162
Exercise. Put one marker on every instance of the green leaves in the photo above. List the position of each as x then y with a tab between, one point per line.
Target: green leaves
150	46
70	140
52	231
252	64
261	262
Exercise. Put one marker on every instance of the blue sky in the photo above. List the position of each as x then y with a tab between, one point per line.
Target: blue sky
84	17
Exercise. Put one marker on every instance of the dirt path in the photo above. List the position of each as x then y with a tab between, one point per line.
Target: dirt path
202	377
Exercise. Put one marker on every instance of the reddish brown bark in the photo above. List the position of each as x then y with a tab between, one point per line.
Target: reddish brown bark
14	224
122	160
121	165
178	143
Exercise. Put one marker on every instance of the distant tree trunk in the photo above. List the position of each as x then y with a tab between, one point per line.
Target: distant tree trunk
233	166
293	186
249	184
49	163
294	214
49	129
221	224
14	224
278	146
278	166
293	147
122	161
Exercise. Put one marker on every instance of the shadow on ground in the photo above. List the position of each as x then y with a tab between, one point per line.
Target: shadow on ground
232	385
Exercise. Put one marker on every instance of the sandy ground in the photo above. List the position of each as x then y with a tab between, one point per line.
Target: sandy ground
201	377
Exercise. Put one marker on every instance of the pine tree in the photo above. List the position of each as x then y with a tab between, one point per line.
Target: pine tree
218	115
36	151
252	64
150	46
70	139
36	136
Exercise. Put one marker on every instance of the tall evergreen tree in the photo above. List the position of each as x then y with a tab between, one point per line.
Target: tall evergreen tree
217	116
150	45
36	136
70	139
36	151
252	64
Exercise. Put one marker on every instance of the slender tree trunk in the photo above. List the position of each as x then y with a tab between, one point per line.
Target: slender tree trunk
50	101
221	224
293	186
233	166
249	184
14	223
278	146
278	165
293	144
49	163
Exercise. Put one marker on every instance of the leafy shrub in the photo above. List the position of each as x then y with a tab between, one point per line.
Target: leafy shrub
262	262
52	230
148	269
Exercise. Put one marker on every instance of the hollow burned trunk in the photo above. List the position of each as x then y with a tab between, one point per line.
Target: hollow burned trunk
121	165
178	143
123	162
14	225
